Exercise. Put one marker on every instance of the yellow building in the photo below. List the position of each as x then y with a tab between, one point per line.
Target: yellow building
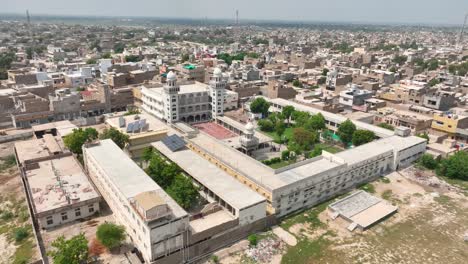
449	123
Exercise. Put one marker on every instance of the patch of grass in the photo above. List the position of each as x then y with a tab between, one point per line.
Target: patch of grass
368	187
329	148
306	251
24	252
281	164
387	195
385	180
7	216
443	199
310	216
7	162
456	182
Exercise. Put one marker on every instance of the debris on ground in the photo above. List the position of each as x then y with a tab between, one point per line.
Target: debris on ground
264	251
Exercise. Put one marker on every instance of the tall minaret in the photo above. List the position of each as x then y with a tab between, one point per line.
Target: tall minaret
171	98
217	86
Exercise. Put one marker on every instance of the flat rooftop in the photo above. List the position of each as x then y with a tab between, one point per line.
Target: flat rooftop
36	148
196	87
362	208
153	124
53	180
244	164
378	147
126	175
314	167
217	180
210	221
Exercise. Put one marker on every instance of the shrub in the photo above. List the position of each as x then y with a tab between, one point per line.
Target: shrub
110	235
20	233
285	155
253	240
428	162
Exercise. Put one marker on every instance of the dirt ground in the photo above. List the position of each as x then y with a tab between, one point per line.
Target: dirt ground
429	227
14	214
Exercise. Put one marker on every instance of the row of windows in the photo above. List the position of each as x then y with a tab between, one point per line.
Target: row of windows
64	215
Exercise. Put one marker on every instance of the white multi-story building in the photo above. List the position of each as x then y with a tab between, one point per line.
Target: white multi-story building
190	102
154	222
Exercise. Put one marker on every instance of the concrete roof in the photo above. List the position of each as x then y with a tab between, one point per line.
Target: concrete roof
35	148
196	87
378	147
126	175
49	193
222	184
314	167
253	169
149	200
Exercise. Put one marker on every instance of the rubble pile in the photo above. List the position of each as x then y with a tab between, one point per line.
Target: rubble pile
265	250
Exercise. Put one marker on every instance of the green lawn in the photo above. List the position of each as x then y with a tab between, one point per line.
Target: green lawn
280	164
329	148
287	134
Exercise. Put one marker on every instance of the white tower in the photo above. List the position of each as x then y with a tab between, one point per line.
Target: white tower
171	98
248	140
217	86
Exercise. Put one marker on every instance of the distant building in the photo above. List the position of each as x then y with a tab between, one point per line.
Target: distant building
439	100
192	102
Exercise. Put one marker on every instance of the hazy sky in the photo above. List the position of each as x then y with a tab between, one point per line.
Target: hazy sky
380	11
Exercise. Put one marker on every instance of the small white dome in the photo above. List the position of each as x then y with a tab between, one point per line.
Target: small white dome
171	76
249	127
217	72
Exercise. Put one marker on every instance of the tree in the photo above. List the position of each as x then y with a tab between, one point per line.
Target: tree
316	122
119	138
119	47
362	136
456	166
132	58
148	153
266	125
316	152
346	131
184	57
297	83
183	191
280	128
393	69
260	106
433	82
71	251
304	138
110	235
325	71
300	118
428	162
161	172
287	112
424	135
106	55
96	248
78	137
386	126
400	59
91	61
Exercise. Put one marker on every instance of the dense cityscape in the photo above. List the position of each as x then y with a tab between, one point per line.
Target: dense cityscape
144	140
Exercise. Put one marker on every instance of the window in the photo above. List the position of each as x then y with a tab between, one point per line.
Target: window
49	220
77	212
64	216
91	208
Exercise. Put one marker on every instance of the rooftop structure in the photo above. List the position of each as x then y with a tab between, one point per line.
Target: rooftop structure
361	209
59	190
